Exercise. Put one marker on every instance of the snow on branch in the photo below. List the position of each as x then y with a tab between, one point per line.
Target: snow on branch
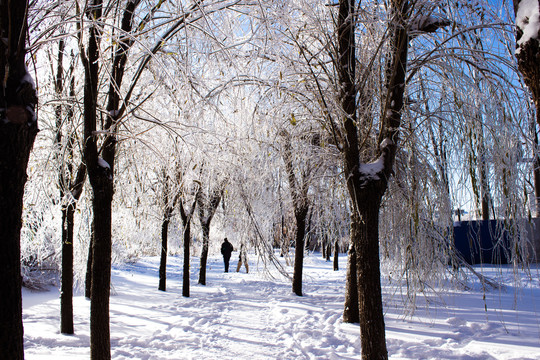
427	24
103	164
528	20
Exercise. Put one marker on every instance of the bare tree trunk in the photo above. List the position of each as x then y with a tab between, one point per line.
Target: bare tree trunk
186	221
187	258
164	245
366	190
300	216
350	313
18	129
366	243
336	255
208	204
204	252
328	249
100	346
66	291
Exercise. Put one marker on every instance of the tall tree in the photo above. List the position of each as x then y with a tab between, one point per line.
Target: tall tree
169	198
71	187
18	129
367	182
299	193
208	202
101	168
186	213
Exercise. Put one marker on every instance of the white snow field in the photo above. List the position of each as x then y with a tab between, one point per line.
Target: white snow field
251	316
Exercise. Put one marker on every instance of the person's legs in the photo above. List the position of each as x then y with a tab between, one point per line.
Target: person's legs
226	260
239	265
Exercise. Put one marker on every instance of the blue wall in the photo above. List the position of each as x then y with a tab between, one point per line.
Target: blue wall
482	242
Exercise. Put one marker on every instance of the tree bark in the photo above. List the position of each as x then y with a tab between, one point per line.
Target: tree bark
186	222
204	252
66	290
208	204
164	246
100	347
365	189
350	313
18	129
169	202
366	243
187	258
300	216
328	249
336	255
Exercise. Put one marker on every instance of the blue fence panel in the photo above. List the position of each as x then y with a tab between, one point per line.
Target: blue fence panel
482	242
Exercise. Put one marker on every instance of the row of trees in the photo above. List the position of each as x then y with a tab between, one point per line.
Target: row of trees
258	116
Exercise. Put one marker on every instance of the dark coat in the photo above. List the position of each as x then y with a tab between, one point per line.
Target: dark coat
226	249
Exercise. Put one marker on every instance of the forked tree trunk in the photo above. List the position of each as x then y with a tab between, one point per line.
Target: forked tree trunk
186	222
208	204
18	129
366	190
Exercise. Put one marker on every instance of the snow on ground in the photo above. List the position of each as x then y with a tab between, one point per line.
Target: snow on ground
251	316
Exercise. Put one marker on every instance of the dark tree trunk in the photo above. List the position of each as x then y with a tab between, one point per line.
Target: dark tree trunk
208	204
66	291
88	277
169	202
299	194
187	257
204	252
366	190
328	250
100	347
336	255
66	295
351	314
299	251
101	169
66	287
18	129
164	246
366	243
70	192
186	222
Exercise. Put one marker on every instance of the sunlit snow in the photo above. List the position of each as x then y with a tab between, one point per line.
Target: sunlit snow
251	316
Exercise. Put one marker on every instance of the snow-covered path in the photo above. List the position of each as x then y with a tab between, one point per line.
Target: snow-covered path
249	316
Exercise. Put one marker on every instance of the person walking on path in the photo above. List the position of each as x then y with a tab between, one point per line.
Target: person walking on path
226	250
242	259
